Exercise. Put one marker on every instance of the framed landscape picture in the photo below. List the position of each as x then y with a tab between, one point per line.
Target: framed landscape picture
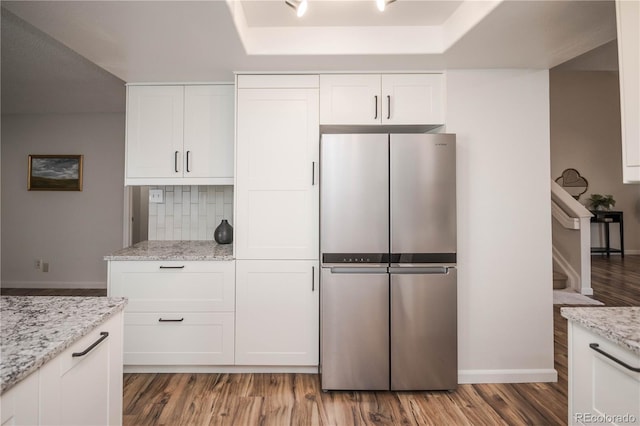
55	173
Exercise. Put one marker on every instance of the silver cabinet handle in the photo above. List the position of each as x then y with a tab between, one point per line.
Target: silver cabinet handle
376	116
103	335
175	161
171	267
313	173
313	278
188	158
358	270
388	107
420	270
170	320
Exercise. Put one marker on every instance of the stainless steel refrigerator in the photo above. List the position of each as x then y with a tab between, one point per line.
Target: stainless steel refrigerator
388	249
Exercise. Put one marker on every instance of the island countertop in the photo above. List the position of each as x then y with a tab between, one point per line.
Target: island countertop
621	325
35	329
174	250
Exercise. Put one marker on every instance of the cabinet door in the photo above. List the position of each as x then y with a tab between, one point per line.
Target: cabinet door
599	385
350	99
85	389
412	99
277	174
277	313
154	131
19	405
208	131
628	20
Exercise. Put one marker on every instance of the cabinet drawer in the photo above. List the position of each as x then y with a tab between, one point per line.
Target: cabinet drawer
194	339
174	286
598	384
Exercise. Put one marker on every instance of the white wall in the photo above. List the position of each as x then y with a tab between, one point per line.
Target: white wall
505	298
70	230
585	135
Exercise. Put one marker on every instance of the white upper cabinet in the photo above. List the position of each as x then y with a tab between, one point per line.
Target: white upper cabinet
628	20
179	135
208	131
350	99
412	99
277	174
390	99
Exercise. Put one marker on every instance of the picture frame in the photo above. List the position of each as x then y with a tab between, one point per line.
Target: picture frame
55	173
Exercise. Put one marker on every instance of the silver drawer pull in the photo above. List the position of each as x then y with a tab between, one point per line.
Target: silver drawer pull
170	320
171	267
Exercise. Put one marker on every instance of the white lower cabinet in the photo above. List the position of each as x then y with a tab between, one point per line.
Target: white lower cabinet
601	390
179	313
19	405
80	386
277	317
170	338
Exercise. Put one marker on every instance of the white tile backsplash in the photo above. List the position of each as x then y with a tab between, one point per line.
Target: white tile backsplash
190	212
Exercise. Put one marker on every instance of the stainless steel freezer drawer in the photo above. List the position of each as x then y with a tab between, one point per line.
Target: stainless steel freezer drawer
424	340
354	306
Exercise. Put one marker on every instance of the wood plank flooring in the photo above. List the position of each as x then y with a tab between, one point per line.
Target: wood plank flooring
296	399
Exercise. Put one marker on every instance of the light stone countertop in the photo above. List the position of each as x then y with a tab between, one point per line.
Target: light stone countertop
621	325
35	329
174	250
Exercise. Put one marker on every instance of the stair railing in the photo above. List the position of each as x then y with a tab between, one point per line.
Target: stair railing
571	235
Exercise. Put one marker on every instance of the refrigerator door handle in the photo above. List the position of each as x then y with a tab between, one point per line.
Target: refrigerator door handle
357	270
420	270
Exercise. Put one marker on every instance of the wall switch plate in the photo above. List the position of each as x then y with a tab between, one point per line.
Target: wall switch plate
45	266
156	196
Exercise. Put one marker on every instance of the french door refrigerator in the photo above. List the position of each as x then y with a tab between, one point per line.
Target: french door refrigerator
388	248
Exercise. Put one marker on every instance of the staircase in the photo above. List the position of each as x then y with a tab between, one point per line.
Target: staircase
571	237
559	280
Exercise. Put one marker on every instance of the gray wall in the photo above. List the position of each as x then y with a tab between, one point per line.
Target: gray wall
70	230
585	135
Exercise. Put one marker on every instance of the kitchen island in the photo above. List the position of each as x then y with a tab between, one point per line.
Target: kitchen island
61	359
604	365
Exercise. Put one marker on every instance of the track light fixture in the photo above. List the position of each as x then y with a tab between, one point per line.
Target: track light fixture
300	6
383	3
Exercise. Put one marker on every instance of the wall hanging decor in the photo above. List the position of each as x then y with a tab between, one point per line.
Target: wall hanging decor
573	183
55	173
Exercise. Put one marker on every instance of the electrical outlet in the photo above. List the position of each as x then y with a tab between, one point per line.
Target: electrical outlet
156	196
37	264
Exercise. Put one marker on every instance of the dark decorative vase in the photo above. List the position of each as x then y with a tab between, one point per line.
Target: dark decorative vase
223	233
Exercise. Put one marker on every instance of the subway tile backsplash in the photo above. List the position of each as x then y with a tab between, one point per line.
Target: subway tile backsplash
190	212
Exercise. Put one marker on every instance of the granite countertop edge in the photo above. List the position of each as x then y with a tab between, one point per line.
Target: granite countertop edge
617	324
179	250
33	364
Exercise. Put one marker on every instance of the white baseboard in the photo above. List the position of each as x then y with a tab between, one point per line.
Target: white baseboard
54	284
219	369
507	376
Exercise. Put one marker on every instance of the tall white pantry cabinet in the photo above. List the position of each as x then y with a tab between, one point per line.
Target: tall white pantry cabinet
276	239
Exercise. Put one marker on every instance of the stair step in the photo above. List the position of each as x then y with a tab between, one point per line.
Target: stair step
559	280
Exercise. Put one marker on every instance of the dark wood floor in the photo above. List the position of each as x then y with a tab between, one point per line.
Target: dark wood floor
296	399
